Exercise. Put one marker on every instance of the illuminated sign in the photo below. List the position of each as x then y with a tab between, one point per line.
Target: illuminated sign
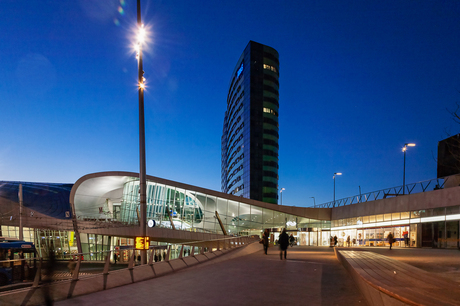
291	223
151	223
142	243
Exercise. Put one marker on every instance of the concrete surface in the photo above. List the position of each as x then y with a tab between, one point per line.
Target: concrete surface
387	281
442	262
310	275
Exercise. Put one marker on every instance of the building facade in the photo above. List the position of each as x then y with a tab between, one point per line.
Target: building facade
449	156
251	130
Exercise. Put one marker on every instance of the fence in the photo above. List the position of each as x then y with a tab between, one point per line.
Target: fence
419	187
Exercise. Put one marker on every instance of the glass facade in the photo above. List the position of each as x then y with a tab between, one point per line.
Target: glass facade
435	227
250	131
189	210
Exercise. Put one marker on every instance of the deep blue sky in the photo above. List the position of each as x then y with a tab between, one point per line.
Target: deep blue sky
358	79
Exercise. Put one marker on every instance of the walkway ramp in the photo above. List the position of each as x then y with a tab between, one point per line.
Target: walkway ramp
386	281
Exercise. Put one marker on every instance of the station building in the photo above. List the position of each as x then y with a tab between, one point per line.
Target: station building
107	215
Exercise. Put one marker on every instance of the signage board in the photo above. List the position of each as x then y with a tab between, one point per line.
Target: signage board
142	243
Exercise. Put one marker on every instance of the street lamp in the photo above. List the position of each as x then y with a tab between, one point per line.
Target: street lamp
337	173
404	149
142	167
281	194
314	201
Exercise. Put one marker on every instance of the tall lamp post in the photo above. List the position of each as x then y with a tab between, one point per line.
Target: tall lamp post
142	167
337	173
281	195
404	170
314	201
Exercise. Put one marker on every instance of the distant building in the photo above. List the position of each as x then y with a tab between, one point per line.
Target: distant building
449	156
250	132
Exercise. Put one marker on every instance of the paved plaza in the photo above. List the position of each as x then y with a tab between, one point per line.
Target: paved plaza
310	275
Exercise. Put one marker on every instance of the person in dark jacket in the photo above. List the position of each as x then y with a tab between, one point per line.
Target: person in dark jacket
390	239
265	240
283	241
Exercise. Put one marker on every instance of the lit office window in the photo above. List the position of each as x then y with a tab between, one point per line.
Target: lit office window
268	67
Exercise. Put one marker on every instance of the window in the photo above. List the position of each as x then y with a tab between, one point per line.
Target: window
270	111
405	215
268	67
239	70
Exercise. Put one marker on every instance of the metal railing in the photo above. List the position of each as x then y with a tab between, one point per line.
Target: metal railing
35	272
418	187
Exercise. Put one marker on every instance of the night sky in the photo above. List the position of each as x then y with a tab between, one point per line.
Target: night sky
358	79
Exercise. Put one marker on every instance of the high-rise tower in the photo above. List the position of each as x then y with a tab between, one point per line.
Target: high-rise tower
250	133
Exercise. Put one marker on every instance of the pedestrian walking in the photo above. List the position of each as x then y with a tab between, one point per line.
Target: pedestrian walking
291	240
71	265
115	257
265	240
406	238
283	241
335	240
390	239
348	241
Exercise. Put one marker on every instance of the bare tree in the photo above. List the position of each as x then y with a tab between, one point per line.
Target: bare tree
449	149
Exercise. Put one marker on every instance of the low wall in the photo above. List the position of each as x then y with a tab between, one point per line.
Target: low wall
61	290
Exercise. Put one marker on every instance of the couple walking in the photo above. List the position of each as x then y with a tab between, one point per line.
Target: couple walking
283	241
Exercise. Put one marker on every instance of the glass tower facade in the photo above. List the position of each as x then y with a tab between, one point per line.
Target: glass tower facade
250	131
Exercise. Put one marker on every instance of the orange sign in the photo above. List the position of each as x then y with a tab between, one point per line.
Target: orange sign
142	243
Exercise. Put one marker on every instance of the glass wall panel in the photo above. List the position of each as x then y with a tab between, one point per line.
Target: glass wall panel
233	213
453	210
387	217
279	219
189	209
244	217
222	209
267	217
256	217
200	202
372	219
405	215
426	213
379	218
441	211
366	219
452	235
209	214
291	223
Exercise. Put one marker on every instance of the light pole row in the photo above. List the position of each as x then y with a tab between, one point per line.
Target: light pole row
404	149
